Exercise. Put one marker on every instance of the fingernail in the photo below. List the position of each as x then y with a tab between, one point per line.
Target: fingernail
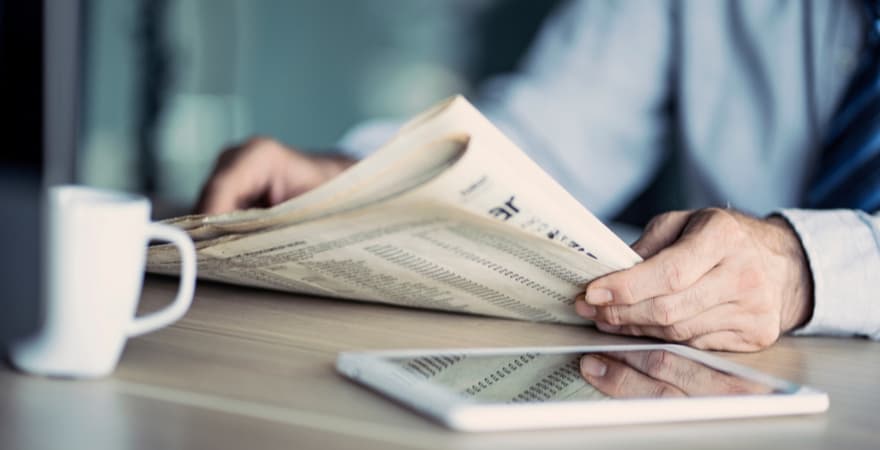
599	296
593	367
584	310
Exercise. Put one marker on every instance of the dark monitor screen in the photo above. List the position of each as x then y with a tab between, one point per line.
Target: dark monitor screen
39	82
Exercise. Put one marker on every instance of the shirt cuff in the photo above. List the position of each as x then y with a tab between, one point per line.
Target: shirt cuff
844	257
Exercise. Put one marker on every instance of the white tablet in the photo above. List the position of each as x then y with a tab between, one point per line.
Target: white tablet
541	387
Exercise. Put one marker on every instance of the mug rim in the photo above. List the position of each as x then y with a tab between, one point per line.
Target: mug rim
74	192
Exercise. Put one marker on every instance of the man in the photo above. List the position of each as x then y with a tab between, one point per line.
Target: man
770	99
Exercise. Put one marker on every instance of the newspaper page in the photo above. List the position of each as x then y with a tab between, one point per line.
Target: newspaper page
420	249
413	157
409	255
479	228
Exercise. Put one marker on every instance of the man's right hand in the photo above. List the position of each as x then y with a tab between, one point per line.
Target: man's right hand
263	172
660	373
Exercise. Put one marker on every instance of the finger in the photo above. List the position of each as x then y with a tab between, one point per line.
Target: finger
583	309
207	195
242	176
726	340
715	340
612	329
214	198
692	377
729	316
230	191
673	269
221	194
628	330
722	317
619	380
709	291
661	231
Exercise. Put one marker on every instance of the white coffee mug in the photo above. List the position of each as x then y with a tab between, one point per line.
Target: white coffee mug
95	254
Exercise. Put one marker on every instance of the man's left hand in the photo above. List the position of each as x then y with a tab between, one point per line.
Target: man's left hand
712	278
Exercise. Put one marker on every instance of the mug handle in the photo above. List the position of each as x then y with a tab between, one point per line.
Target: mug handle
177	308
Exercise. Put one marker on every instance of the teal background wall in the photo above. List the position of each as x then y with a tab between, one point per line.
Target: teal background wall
170	83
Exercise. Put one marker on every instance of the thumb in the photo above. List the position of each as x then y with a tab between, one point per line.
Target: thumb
661	232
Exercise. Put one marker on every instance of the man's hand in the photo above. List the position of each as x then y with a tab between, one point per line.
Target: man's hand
659	373
262	172
713	279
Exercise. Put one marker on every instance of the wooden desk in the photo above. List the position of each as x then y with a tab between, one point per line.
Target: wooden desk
254	369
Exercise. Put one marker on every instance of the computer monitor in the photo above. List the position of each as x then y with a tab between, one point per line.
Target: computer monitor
40	54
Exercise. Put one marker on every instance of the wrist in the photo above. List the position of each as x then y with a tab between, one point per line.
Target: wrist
797	291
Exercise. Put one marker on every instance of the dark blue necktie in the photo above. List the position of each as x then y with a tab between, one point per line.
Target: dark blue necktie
848	173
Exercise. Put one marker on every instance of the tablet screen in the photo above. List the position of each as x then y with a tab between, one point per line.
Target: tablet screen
537	377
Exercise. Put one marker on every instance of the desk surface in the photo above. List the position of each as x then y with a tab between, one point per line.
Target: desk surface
254	369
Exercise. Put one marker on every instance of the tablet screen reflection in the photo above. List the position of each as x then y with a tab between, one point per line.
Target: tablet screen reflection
536	377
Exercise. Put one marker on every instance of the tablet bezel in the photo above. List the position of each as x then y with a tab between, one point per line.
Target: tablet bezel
372	369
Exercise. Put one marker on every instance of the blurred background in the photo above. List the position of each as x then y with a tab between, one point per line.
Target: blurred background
169	83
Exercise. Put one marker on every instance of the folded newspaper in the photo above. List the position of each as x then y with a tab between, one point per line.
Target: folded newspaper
447	215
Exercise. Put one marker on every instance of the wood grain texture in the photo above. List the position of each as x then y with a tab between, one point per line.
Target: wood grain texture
254	369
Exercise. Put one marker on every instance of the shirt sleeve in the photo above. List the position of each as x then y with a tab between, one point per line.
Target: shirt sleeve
588	103
843	249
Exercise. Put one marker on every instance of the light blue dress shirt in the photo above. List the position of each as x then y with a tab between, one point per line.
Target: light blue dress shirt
755	83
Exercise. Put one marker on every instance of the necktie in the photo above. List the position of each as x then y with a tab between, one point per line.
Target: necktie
848	174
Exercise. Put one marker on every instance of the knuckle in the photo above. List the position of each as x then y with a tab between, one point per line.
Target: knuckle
254	145
727	225
721	217
672	276
612	315
659	221
621	380
629	330
701	345
653	224
624	294
218	182
765	337
677	332
633	330
716	213
714	216
261	147
662	220
707	214
663	311
259	142
663	390
608	328
739	346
